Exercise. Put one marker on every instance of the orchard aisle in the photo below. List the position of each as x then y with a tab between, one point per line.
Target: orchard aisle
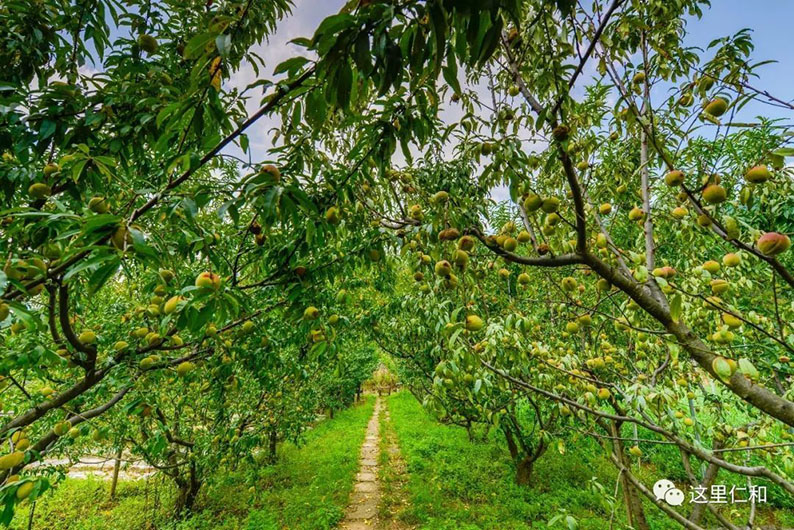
363	508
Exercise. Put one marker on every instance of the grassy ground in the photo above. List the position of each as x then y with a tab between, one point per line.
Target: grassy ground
456	484
393	478
307	489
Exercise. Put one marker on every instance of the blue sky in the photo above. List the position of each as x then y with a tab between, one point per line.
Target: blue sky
769	19
771	22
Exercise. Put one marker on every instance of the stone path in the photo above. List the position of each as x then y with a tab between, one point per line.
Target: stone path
362	512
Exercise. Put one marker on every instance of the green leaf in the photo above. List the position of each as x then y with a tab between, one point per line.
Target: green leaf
195	46
290	66
102	275
344	83
566	7
450	72
47	129
676	307
784	151
89	264
332	25
361	54
316	107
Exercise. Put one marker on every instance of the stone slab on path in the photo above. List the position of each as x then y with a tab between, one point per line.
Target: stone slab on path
362	512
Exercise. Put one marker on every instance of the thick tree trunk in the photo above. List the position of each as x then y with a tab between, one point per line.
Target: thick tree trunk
188	492
524	463
524	469
635	514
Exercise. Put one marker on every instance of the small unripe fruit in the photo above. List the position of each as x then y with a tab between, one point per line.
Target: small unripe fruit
271	171
674	178
443	268
466	243
731	321
601	241
61	428
636	214
439	197
208	280
172	304
722	367
510	244
11	460
146	363
758	174
39	190
550	205
704	220
731	260
147	43
560	133
773	243
714	194
717	107
719	286
184	368
605	209
461	258
533	202
87	337
679	212
474	323
50	169
311	313
332	215
712	266
24	490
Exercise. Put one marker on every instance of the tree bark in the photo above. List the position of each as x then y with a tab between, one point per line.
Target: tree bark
524	463
635	515
188	492
524	469
708	479
115	481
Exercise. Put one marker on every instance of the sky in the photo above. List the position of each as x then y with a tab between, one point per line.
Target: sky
770	21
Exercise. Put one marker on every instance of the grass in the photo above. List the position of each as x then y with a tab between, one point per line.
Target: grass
392	476
456	484
308	489
440	480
